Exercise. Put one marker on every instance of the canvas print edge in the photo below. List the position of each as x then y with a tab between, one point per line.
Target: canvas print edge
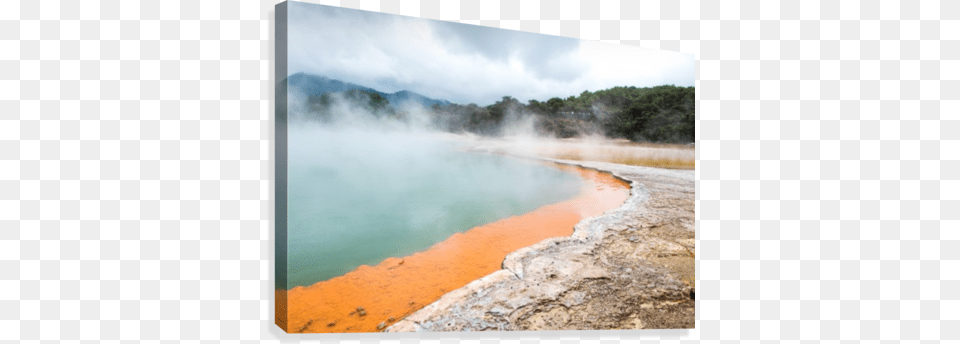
451	311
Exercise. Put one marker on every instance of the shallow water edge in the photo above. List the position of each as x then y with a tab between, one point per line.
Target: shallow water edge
373	297
589	280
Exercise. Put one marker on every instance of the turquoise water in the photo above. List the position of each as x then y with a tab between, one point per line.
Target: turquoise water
356	198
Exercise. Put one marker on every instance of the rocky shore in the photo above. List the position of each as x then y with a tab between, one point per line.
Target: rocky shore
630	268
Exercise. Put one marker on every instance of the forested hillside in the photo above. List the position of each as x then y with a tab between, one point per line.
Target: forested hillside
648	114
655	114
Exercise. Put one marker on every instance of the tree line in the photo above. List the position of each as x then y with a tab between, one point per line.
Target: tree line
648	114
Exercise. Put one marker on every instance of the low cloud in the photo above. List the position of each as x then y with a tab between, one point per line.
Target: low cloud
466	63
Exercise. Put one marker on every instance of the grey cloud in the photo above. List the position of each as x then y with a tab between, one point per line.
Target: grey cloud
456	62
547	56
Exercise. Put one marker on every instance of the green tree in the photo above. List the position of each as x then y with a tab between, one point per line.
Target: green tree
554	105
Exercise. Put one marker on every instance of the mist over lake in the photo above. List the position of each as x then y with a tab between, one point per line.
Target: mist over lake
358	196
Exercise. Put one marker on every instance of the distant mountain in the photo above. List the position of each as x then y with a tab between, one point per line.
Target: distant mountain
310	84
407	96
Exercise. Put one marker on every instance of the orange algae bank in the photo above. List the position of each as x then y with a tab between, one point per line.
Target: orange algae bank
372	297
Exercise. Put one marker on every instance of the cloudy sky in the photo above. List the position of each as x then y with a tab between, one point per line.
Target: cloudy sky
466	63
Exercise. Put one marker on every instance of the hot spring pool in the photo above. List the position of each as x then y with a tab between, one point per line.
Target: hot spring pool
356	198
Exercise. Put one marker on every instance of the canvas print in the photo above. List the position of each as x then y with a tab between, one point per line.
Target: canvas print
439	176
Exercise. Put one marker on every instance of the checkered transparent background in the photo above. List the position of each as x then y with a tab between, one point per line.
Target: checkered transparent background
136	197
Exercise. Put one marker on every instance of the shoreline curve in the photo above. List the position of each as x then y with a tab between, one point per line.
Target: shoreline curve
570	283
365	299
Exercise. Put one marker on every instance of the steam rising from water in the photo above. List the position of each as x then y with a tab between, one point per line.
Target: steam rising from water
518	135
364	187
597	148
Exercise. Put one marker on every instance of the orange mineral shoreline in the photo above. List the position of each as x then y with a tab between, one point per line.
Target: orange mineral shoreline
397	287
